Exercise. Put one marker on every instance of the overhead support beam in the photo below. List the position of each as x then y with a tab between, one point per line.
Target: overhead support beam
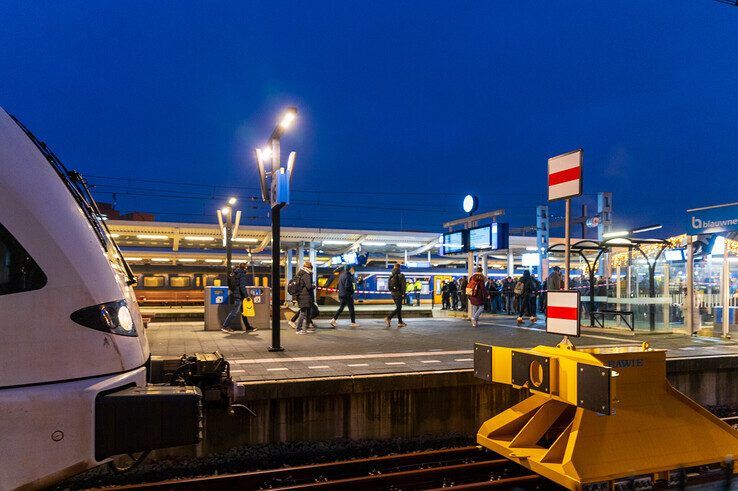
353	245
264	243
474	218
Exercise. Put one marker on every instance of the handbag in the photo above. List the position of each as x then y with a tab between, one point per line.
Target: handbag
248	307
314	311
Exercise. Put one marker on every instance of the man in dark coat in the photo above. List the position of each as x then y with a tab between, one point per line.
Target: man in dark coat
396	285
346	295
241	280
305	298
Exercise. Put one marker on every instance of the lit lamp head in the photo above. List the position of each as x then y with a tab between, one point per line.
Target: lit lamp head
470	203
232	201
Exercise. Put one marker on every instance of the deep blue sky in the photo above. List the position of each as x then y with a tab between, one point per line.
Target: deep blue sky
421	101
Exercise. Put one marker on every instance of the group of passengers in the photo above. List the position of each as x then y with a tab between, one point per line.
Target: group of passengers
304	295
523	296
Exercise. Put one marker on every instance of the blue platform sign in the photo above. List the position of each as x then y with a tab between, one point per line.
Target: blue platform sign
713	219
218	295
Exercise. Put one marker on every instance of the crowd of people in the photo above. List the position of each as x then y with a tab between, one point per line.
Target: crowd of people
523	296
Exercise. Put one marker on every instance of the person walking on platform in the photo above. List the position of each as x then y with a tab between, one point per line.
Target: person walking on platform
526	301
346	295
453	293
418	288
478	294
305	298
463	283
445	296
237	284
396	285
508	285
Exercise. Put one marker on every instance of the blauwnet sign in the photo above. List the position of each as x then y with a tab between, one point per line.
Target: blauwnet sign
713	219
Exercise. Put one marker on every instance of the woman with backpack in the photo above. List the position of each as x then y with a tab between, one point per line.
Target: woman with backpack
304	290
477	295
396	285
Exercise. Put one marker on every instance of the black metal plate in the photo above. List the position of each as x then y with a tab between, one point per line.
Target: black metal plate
593	388
521	371
483	361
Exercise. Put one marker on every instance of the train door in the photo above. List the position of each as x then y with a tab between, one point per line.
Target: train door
437	280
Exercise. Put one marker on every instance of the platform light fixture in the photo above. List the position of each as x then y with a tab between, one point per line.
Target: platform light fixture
409	244
232	200
373	243
199	238
187	260
152	237
336	242
249	240
160	259
115	236
648	228
617	233
213	260
134	259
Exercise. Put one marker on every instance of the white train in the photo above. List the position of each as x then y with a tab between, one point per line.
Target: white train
71	330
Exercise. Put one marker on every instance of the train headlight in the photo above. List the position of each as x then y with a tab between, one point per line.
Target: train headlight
125	320
112	317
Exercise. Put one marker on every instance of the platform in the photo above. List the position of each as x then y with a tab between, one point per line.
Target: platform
426	344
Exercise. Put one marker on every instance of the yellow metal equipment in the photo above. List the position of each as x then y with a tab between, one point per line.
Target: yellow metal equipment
598	415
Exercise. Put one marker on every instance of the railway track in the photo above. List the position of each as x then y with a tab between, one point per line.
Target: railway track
465	467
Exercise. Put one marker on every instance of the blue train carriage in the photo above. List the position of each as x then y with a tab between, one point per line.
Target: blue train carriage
371	284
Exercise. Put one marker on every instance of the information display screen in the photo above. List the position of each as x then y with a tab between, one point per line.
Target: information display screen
674	254
500	236
350	258
453	242
480	238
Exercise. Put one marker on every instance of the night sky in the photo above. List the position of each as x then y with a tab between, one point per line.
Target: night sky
405	107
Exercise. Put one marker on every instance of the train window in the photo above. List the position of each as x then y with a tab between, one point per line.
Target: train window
153	281
264	281
18	271
198	281
180	281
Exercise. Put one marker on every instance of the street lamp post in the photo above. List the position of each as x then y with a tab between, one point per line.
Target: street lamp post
276	193
228	228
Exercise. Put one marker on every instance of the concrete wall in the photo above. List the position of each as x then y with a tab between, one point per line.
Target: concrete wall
406	405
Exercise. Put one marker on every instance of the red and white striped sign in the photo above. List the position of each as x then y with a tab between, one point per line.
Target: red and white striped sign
565	175
562	312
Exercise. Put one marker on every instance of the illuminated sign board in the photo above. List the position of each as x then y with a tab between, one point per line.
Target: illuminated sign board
480	238
453	242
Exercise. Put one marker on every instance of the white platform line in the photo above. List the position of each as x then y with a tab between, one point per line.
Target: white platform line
463	359
354	357
427	361
277	369
315	367
394	362
357	365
